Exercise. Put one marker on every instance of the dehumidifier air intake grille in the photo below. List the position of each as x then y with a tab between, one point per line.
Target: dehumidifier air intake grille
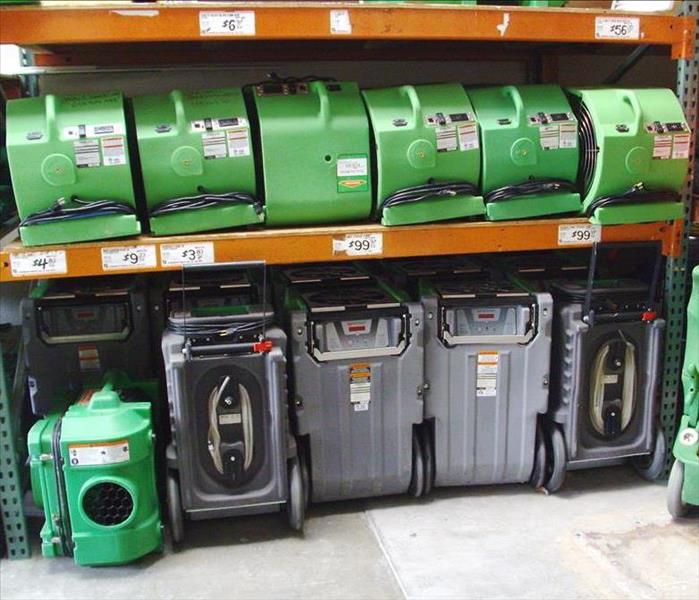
108	503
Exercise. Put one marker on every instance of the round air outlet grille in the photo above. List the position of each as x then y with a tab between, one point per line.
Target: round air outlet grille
108	503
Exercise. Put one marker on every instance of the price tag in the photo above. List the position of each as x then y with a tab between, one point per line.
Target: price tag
227	23
340	23
617	28
198	253
38	263
359	244
585	234
128	257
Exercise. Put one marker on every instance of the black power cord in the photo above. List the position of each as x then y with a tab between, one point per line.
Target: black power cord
204	200
638	194
431	190
532	187
215	328
82	209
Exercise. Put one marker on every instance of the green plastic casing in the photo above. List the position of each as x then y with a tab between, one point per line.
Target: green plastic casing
513	147
405	126
103	421
42	133
315	152
194	142
688	454
626	148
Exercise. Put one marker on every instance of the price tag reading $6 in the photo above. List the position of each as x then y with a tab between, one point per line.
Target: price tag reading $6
359	244
198	253
128	257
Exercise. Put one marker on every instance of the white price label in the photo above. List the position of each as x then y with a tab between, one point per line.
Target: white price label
227	23
37	263
570	235
617	28
340	23
199	253
359	244
128	257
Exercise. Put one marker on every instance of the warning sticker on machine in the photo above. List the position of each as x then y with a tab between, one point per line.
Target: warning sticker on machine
360	386
89	358
214	145
568	135
238	142
113	151
468	135
447	140
680	145
662	146
549	137
352	173
103	453
87	154
487	373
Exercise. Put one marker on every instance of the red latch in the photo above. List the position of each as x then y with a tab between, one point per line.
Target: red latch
649	315
263	346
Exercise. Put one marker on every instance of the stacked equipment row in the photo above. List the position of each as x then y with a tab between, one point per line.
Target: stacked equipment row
332	382
314	151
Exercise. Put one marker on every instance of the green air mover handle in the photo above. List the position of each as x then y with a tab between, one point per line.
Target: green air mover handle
51	128
637	159
411	93
186	161
511	92
632	101
324	101
57	169
105	398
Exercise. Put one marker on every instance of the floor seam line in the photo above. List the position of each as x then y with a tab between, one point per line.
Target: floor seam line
382	545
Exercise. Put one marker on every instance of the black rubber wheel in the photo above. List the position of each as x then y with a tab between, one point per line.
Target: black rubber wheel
539	471
417	483
428	455
296	504
174	504
556	467
651	466
675	506
306	478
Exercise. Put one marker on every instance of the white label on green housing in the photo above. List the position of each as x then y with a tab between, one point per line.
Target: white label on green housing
87	154
214	145
211	124
76	132
105	453
468	135
113	150
447	140
238	142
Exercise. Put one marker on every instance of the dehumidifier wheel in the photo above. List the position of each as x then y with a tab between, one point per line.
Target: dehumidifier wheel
306	479
650	466
675	506
174	505
295	505
556	468
417	482
539	471
428	457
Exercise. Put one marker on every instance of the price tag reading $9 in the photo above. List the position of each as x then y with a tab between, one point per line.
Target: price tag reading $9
128	257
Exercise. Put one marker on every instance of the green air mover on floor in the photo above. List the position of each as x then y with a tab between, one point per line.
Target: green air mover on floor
197	162
634	154
70	168
93	472
529	142
315	151
427	153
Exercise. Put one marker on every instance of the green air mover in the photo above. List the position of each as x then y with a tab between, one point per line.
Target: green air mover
70	168
92	471
315	151
634	154
530	151
196	159
683	486
427	153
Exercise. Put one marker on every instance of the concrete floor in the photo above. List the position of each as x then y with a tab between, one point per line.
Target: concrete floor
606	535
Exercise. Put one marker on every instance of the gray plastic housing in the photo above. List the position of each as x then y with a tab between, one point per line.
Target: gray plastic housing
574	348
485	412
204	496
84	346
358	449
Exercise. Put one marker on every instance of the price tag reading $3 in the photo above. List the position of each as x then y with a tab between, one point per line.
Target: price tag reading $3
196	253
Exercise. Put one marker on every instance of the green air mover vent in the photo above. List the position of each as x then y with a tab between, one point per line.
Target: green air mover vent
427	153
197	160
634	154
70	168
93	473
530	151
315	151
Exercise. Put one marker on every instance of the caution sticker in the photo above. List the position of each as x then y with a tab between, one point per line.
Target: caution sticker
468	136
487	373
89	358
680	145
113	150
360	386
101	453
238	142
